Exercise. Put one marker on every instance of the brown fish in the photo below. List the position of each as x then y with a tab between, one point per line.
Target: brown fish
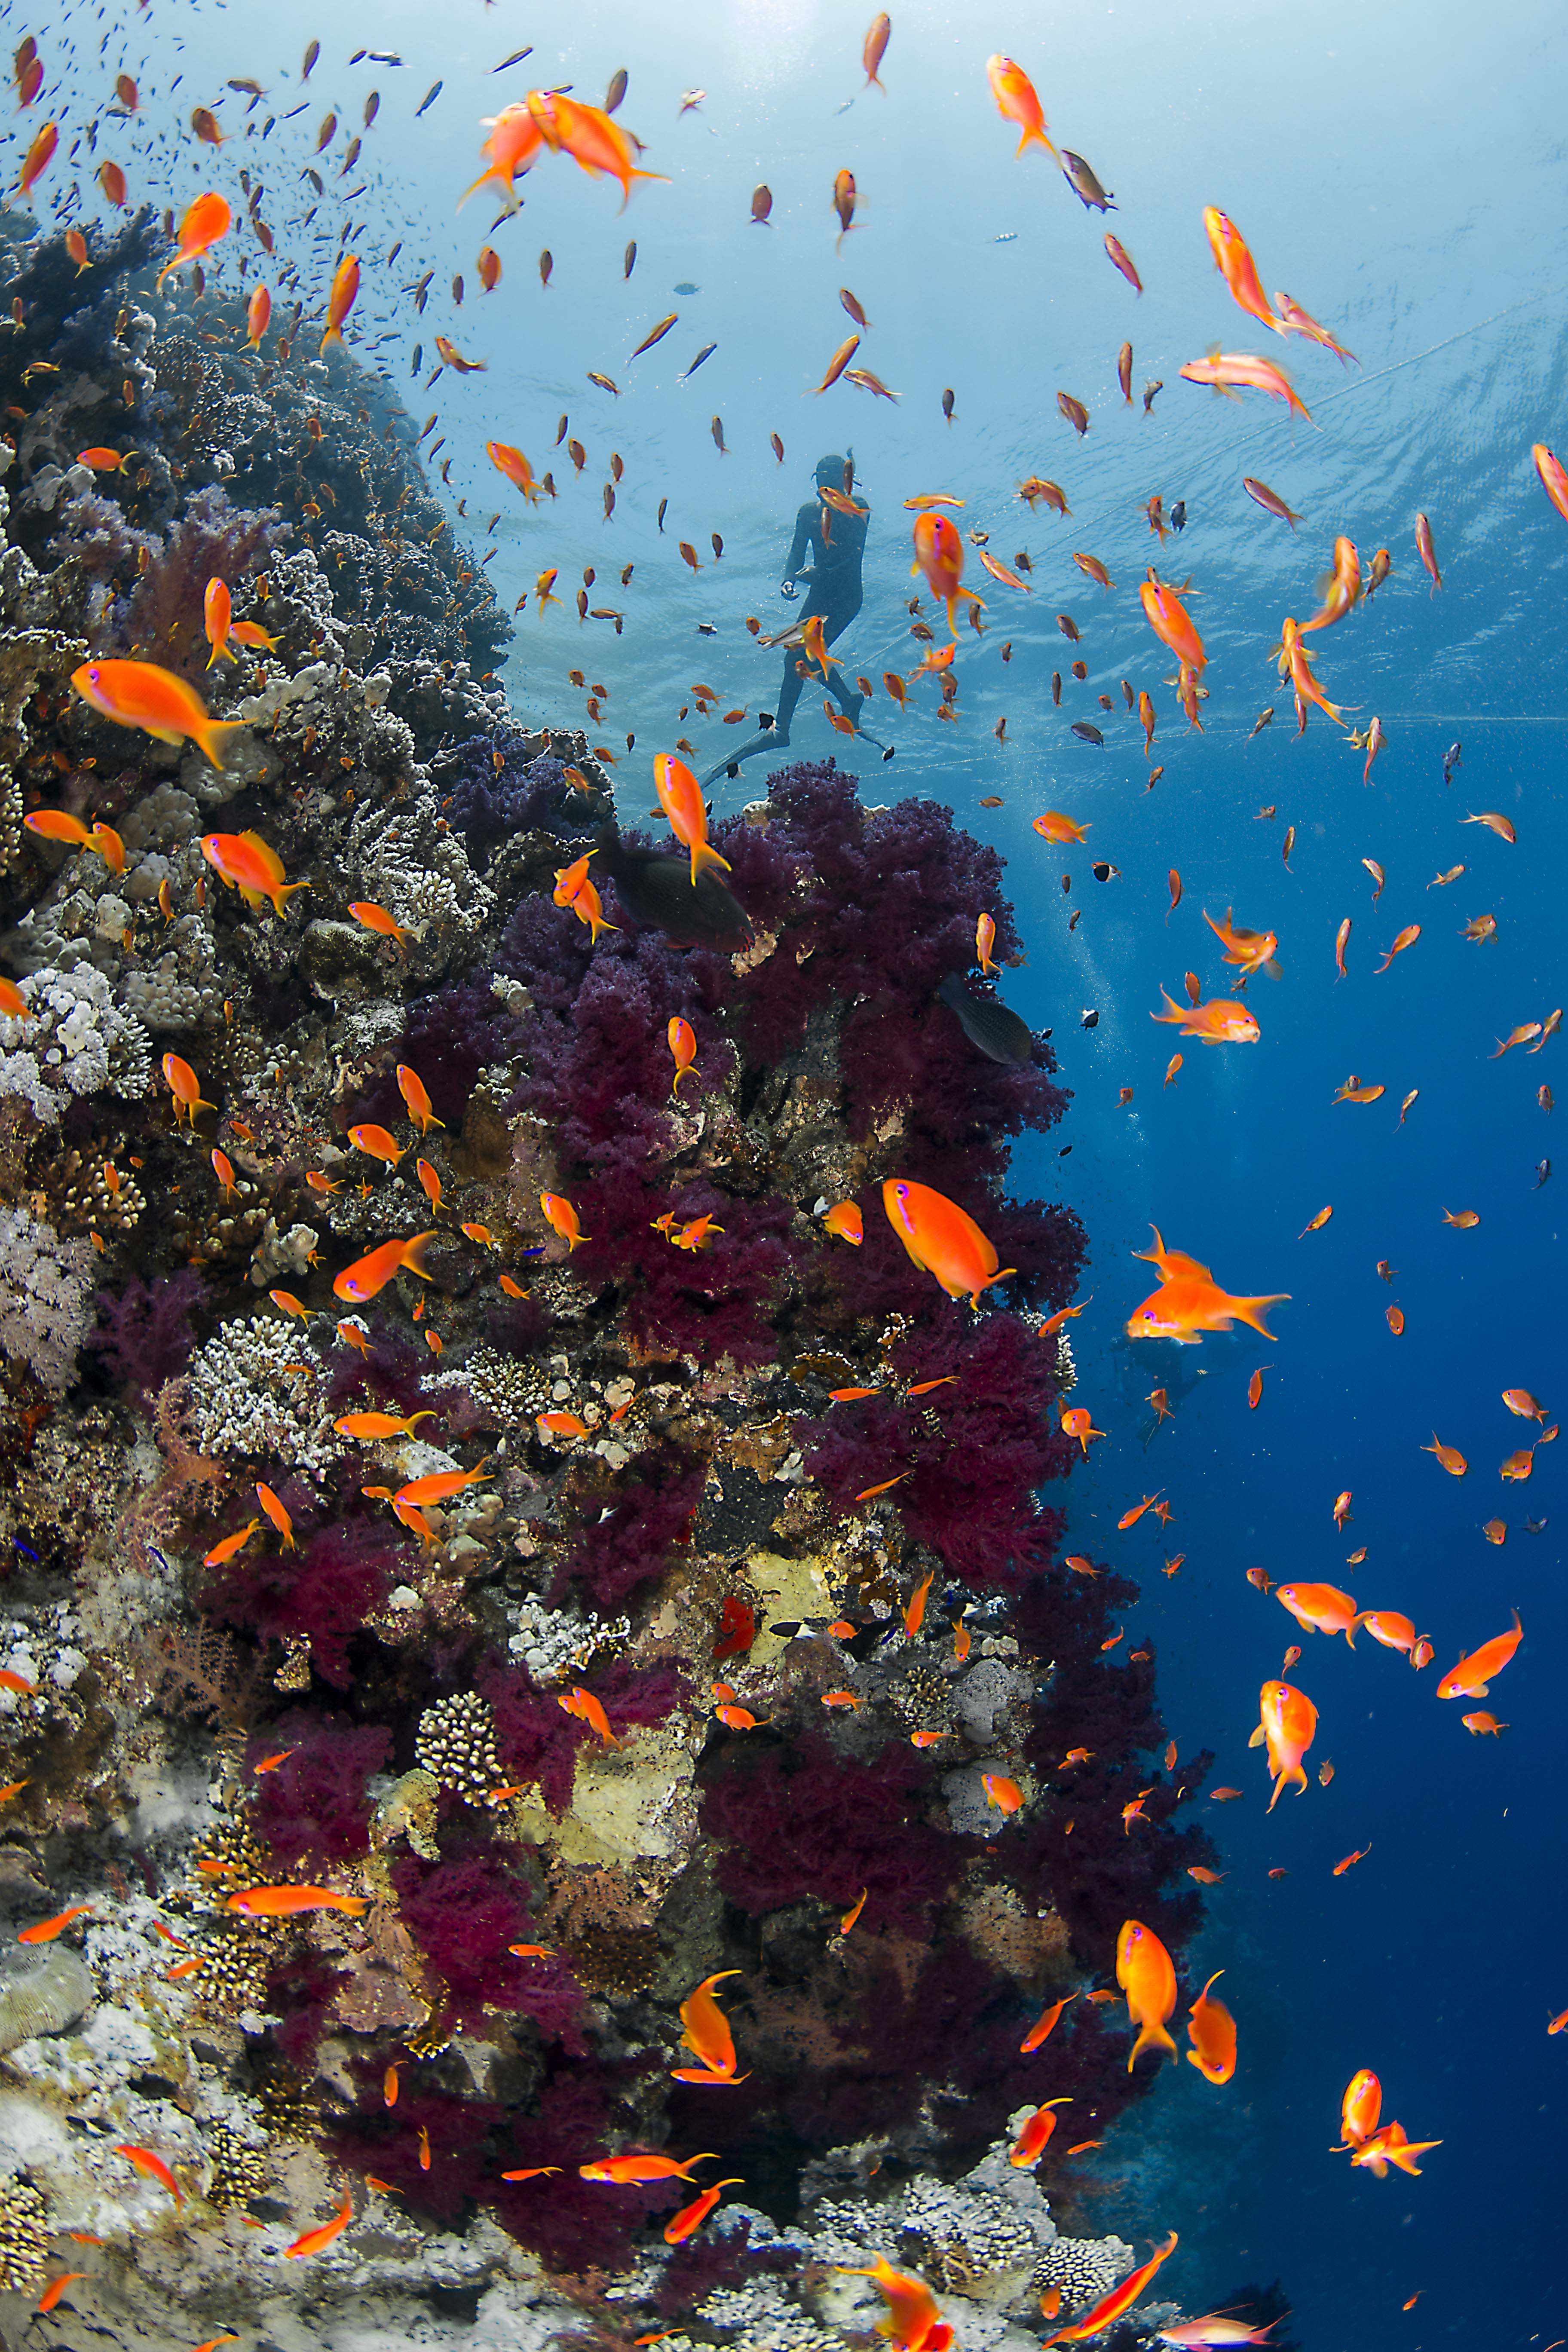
1076	413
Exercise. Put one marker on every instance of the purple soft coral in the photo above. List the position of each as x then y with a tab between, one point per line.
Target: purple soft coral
465	1914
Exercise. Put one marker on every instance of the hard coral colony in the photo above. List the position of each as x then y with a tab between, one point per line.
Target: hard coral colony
463	1400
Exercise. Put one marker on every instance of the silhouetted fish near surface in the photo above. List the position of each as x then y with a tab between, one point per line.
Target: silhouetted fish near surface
987	1023
1081	179
656	890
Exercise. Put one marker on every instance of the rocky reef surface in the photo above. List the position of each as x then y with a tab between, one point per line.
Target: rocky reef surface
800	1632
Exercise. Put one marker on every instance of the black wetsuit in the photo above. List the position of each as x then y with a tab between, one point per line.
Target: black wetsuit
835	544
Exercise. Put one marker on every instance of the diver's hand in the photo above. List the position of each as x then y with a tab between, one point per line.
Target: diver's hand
787	589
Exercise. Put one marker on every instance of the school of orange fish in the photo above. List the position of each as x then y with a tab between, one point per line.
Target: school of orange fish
939	1236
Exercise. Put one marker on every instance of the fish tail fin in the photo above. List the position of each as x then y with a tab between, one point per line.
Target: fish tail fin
1175	1014
1350	1629
214	734
1036	138
704	855
284	891
1251	1310
1292	1777
483	181
1003	1275
1153	2036
413	1254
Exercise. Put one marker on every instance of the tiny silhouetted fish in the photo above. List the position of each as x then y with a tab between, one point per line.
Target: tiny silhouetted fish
616	91
1179	515
630	259
1081	178
1087	733
705	353
1536	1526
1090	1020
686	286
1451	760
656	890
947	404
987	1021
1542	1171
431	95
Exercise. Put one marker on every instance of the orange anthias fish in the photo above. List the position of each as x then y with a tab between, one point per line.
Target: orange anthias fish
1359	2109
372	1273
35	163
1035	2135
1320	1609
185	1087
706	2031
258	314
46	1930
938	559
623	2170
512	462
914	2321
372	1425
1018	100
1471	1676
1294	320
411	1086
341	300
139	693
1221	1022
252	867
206	222
1055	826
1234	261
1211	2029
1394	1630
941	1239
1253	951
1111	2307
155	2167
217	611
1044	2026
681	798
1342	592
1390	2145
1189	1301
289	1902
590	1710
441	1485
315	2240
844	1221
562	1218
514	144
682	1041
1144	1972
1172	624
587	134
1077	1422
1290	1721
1226	371
1553	479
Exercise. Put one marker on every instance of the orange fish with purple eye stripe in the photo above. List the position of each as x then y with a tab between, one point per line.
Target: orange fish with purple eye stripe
1189	1301
1017	99
939	555
1034	2136
1471	1676
1147	1977
1044	2026
1233	259
1289	1724
372	1273
141	694
942	1239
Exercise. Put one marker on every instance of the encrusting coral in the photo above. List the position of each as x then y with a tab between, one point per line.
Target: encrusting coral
422	1591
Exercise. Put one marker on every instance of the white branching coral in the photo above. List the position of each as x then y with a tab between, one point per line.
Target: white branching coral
75	1042
257	1389
45	1286
417	870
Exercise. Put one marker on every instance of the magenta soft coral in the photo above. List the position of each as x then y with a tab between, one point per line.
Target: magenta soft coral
574	2225
313	1808
802	1823
320	1593
655	1504
463	1913
974	1452
375	2138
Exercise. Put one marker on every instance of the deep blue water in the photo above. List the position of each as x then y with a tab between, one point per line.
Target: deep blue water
1399	172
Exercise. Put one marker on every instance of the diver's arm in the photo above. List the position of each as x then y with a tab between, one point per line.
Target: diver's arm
805	524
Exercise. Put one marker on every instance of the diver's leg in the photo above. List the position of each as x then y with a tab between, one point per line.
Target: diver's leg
771	738
851	702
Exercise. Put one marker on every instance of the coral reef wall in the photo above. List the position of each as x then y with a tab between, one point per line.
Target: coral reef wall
635	1580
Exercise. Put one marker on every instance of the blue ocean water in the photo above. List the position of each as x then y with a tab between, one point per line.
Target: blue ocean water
1397	170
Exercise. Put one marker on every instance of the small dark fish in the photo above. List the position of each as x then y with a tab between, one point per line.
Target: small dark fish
947	404
656	891
1103	870
663	509
776	445
561	431
686	285
418	359
1090	1020
1542	1171
372	108
1451	760
1149	392
312	51
457	293
629	258
515	58
546	264
604	382
383	57
1075	411
1124	372
987	1023
431	95
1086	733
717	430
1081	179
616	91
1179	515
1536	1526
762	204
705	353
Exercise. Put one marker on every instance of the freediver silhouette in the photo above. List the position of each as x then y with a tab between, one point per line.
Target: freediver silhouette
835	543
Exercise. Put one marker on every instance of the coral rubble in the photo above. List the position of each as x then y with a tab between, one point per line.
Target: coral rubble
635	1581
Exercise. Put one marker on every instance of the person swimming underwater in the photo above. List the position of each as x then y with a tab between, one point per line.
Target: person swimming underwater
835	543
